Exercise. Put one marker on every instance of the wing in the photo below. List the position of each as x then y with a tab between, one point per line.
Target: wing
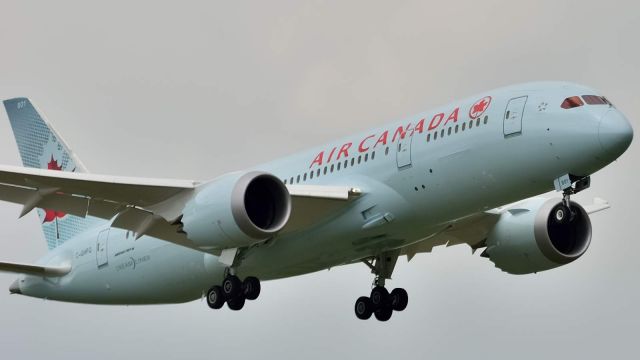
473	230
145	206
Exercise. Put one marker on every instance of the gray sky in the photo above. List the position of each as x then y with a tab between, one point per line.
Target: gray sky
193	90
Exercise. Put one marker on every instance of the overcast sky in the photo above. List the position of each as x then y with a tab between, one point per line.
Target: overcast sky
194	90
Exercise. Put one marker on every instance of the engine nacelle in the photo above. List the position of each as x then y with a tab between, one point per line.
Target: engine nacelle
528	238
237	210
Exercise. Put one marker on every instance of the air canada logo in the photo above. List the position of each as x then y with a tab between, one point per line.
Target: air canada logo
51	215
479	107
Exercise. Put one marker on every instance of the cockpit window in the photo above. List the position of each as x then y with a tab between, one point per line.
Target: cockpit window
594	100
571	102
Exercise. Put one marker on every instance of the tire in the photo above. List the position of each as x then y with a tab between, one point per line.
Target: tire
231	286
399	299
215	297
561	214
363	308
380	298
384	313
236	303
251	288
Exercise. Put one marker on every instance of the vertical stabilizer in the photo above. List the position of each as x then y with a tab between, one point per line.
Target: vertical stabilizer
41	147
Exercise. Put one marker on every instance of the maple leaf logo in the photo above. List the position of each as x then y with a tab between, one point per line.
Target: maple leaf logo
479	107
51	215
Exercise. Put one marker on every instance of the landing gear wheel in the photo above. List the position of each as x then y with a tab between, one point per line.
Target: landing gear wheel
380	298
363	308
384	313
236	303
231	286
399	299
215	297
561	214
251	288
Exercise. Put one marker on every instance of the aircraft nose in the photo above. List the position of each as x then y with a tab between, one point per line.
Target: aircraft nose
615	133
15	287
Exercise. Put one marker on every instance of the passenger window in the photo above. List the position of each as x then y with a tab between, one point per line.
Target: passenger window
353	160
435	135
298	179
366	157
318	174
571	102
478	122
359	158
346	162
428	137
331	168
470	124
464	126
442	133
291	180
457	129
373	155
311	175
339	166
304	177
593	100
486	119
325	170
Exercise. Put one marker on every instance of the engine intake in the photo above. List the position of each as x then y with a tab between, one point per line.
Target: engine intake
237	210
529	238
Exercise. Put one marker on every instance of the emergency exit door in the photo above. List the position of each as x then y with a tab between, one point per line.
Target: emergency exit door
513	116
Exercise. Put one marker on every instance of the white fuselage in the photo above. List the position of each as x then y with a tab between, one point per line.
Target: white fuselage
417	183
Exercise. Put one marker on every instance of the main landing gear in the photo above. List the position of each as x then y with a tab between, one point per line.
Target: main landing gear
380	302
234	292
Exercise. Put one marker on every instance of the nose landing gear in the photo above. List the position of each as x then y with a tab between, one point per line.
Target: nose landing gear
569	185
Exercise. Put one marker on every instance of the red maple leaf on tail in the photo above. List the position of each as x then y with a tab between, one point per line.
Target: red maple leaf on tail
51	215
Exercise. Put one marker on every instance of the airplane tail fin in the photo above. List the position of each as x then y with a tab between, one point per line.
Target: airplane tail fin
41	147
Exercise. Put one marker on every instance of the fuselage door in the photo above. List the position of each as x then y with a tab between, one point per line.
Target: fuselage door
403	151
513	116
101	248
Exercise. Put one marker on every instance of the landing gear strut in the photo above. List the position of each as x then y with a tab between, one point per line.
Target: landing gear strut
563	213
380	302
232	291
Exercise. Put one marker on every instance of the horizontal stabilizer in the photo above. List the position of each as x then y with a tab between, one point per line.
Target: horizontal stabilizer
45	271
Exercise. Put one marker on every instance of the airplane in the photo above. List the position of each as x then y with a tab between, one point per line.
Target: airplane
470	172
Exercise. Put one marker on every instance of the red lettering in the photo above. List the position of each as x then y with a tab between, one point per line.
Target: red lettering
453	116
331	154
439	116
382	139
317	160
344	150
361	147
400	131
419	127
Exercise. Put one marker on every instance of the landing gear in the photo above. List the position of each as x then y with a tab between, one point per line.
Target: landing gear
233	292
380	302
569	185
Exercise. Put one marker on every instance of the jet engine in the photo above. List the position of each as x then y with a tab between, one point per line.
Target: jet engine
538	235
236	210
